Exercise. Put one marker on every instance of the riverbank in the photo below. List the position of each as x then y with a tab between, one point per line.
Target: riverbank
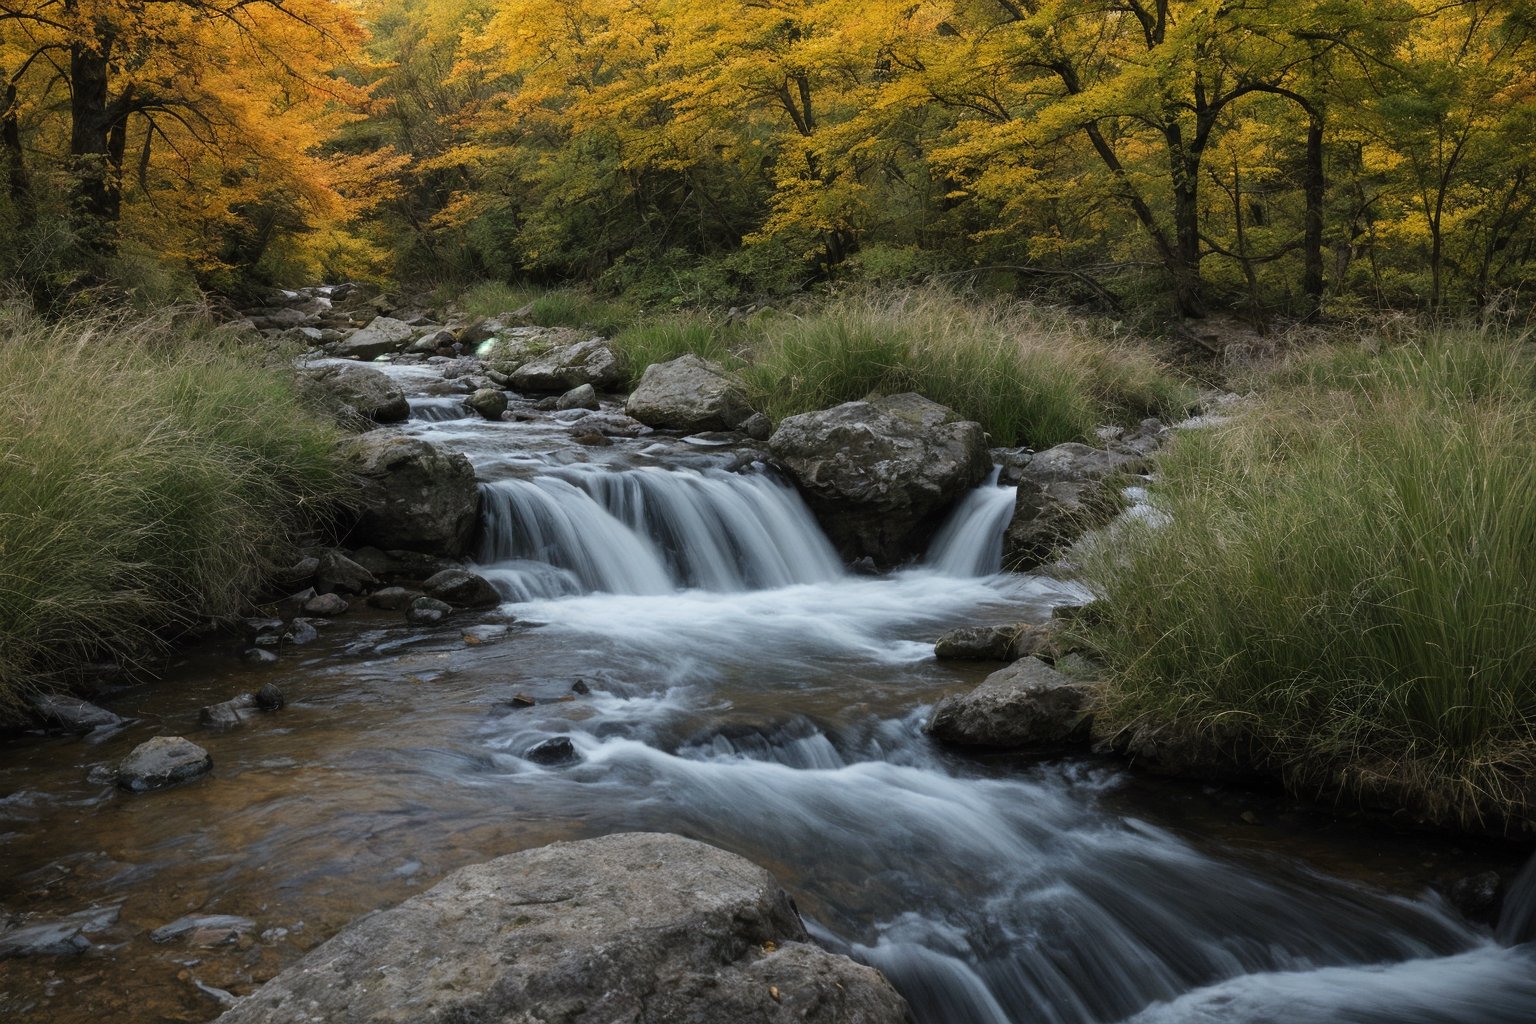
1334	590
153	469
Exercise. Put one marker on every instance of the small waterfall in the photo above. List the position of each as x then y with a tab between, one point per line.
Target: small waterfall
970	543
439	410
649	531
1517	919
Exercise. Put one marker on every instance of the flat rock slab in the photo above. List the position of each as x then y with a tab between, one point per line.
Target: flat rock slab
1027	705
59	713
637	927
162	761
63	936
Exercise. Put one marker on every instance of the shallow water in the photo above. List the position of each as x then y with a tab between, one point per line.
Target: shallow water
742	690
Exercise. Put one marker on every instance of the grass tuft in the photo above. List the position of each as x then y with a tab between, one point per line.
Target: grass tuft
1347	568
150	469
1028	376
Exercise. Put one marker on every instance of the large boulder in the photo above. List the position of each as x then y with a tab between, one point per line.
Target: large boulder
688	393
414	495
1026	706
1062	492
628	928
383	336
564	367
879	474
363	392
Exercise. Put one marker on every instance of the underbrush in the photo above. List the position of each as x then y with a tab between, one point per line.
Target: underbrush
552	307
150	470
1346	571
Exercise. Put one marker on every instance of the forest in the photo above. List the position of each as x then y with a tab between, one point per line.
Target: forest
1271	158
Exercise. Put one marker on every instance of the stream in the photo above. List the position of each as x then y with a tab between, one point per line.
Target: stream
676	614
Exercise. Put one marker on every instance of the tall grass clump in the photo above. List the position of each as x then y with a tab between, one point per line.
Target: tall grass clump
1347	570
150	469
666	338
1027	376
554	307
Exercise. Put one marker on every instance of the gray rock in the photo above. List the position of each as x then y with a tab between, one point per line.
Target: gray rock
383	336
688	394
584	397
299	632
341	575
977	643
757	426
558	750
263	631
1027	705
221	925
462	589
59	713
427	611
488	402
65	936
228	714
393	599
1062	492
628	928
162	761
326	605
364	391
297	575
270	698
258	656
413	495
879	473
564	367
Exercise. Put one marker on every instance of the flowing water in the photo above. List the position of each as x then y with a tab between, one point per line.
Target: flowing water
736	686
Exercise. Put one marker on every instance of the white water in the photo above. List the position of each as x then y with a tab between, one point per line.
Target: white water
970	543
747	692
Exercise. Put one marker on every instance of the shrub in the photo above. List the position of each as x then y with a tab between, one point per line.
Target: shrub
150	470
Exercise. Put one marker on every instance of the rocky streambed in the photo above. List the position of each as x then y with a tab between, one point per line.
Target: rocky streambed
676	645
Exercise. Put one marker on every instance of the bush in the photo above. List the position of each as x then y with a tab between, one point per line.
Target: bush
1346	568
150	470
664	339
1028	376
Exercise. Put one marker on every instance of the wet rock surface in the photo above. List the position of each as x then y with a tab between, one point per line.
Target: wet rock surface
161	762
362	392
1026	706
414	495
65	714
631	927
878	473
382	336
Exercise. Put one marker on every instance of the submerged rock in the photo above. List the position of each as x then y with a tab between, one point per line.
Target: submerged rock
64	936
59	713
879	473
393	599
414	495
326	605
1027	705
627	928
204	929
557	751
690	394
162	761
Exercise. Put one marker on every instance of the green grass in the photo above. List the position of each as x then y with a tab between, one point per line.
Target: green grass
663	339
1028	376
556	307
150	469
1347	570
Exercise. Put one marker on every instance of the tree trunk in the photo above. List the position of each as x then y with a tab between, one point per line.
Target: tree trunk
1184	260
18	183
1315	186
95	177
